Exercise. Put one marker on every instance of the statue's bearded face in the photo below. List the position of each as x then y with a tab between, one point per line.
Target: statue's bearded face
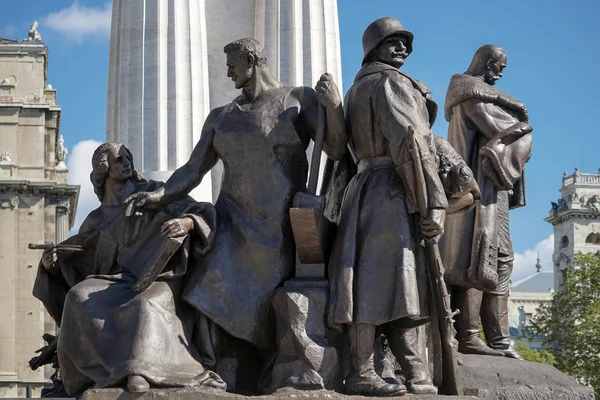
392	51
119	167
495	69
239	69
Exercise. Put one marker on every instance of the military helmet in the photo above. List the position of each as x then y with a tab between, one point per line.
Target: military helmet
381	29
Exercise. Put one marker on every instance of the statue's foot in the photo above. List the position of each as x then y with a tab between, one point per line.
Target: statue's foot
477	346
372	385
56	391
511	353
421	388
137	384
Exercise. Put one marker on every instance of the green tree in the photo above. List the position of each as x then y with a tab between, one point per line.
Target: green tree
571	322
538	356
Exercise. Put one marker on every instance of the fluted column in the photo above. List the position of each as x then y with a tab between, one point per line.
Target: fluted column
301	38
8	312
62	220
158	91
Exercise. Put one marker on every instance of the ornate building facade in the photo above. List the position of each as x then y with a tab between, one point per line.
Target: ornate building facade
576	220
36	205
526	295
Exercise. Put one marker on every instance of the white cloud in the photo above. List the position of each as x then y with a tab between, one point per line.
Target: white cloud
80	167
524	264
77	22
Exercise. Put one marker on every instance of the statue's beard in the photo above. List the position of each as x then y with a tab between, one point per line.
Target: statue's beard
491	77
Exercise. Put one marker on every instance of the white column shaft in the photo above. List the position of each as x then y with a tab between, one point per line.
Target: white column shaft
113	75
158	95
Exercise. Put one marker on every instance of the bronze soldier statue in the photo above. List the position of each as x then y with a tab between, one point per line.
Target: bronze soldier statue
376	268
261	137
489	129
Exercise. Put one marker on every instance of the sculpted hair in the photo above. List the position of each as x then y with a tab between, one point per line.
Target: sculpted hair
100	167
485	53
247	46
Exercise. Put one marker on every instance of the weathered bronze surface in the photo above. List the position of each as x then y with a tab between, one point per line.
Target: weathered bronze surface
377	267
490	130
278	286
261	137
109	334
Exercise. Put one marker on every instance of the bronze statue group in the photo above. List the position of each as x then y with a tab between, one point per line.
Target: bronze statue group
166	288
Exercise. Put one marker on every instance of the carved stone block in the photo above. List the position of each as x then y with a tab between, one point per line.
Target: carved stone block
489	377
305	359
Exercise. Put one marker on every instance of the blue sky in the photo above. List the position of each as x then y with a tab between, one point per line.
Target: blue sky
553	52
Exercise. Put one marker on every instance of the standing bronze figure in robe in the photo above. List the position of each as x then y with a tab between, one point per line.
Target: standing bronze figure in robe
261	137
490	130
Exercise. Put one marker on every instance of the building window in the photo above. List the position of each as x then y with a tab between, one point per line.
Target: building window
593	238
564	242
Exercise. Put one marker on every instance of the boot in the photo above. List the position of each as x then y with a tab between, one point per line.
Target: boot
362	379
494	318
468	301
404	344
137	384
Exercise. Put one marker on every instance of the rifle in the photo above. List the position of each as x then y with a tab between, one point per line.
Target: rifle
450	374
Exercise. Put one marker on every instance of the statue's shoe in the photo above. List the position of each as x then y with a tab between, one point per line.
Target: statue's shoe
373	386
511	353
421	388
478	346
137	384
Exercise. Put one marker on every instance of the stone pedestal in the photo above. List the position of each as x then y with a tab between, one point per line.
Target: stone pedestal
305	359
213	394
491	378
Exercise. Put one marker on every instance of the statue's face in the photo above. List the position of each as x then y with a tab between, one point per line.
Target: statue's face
495	70
119	167
392	51
239	69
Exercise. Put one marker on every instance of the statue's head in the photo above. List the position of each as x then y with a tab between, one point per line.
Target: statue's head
34	25
111	163
243	57
387	41
488	63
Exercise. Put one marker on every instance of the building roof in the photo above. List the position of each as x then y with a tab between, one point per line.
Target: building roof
541	281
3	40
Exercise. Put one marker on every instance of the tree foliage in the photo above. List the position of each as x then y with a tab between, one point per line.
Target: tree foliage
538	356
571	322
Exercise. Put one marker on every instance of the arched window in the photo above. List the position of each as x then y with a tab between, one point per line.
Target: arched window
593	238
564	242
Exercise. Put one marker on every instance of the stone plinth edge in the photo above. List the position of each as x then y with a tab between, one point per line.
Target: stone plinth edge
214	394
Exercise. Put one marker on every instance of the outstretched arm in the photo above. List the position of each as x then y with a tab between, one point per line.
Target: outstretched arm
202	159
186	177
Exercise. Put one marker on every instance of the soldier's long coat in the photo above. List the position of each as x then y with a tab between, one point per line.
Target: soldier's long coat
374	272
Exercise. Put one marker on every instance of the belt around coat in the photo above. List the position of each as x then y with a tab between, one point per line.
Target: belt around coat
374	162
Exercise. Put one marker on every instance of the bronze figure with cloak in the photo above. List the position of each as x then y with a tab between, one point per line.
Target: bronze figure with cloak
490	130
110	334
